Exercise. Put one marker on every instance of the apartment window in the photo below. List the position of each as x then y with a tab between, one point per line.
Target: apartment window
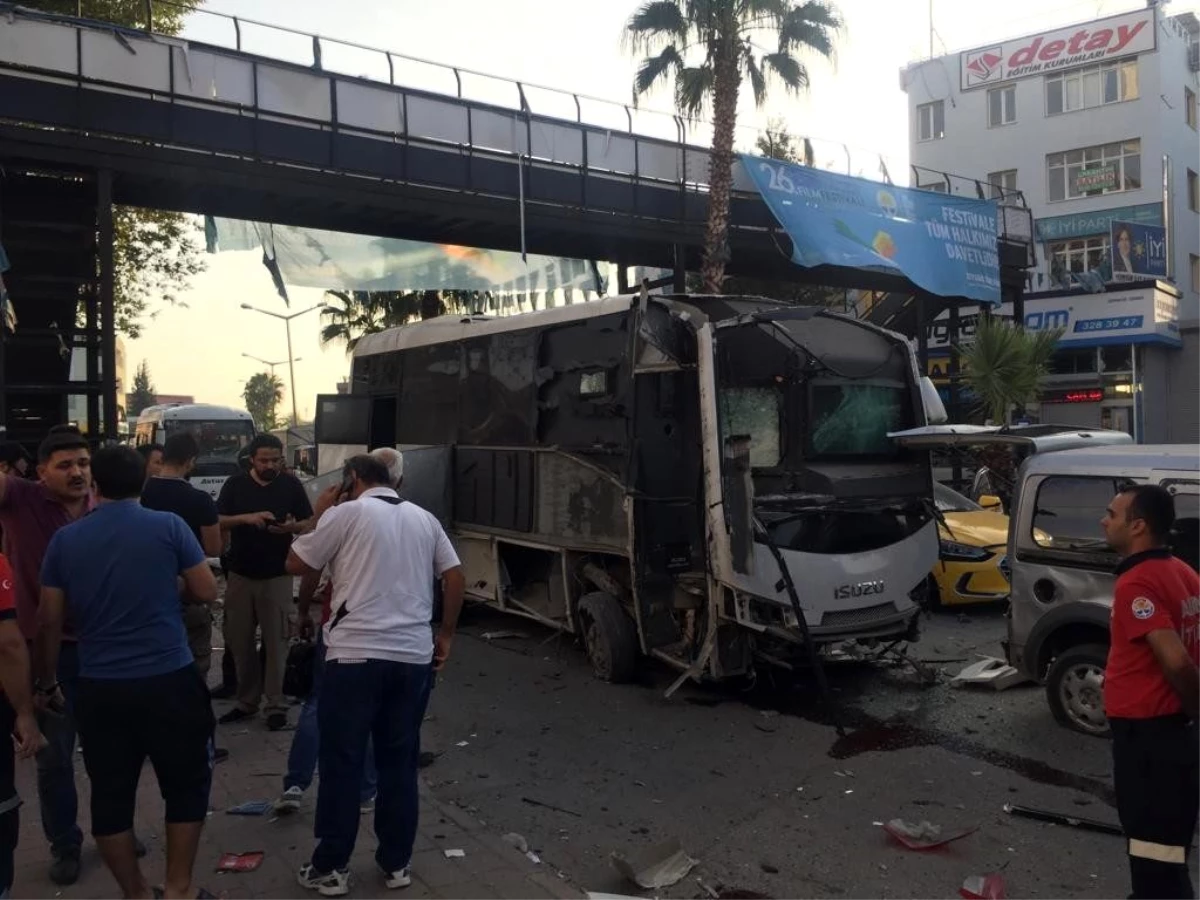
1077	256
1193	191
931	121
1195	261
1189	106
1002	184
1002	106
1092	171
1091	86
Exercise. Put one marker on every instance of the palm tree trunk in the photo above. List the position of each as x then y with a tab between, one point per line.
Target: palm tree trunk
720	177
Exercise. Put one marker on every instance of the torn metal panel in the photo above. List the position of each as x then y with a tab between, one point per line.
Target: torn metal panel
576	501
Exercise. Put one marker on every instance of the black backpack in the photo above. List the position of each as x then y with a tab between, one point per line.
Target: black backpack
298	671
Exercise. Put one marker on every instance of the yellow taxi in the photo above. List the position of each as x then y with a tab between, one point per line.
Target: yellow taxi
974	541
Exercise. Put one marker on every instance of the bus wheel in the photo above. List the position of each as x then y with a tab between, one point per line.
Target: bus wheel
610	637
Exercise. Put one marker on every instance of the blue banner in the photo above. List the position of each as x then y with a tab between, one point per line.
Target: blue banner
943	244
1090	224
1138	251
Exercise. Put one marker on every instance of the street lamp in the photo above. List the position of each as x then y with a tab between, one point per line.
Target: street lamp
287	322
268	363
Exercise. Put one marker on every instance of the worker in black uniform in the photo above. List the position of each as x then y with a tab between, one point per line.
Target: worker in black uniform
1152	692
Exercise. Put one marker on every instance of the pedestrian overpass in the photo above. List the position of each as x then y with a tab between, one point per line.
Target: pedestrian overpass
93	115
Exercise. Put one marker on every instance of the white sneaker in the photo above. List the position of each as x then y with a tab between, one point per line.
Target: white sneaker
290	800
327	884
398	879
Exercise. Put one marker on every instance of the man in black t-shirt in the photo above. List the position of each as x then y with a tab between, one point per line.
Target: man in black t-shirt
261	509
169	491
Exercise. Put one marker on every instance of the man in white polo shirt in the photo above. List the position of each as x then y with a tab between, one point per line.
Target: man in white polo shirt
383	555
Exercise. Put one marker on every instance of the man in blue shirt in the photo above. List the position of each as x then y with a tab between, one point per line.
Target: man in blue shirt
119	571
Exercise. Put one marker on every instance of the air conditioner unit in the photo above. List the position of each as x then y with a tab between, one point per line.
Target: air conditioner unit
1194	56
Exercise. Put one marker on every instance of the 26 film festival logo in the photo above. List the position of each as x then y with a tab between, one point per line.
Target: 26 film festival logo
985	65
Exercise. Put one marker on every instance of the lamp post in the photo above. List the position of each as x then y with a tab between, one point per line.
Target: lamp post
287	323
271	365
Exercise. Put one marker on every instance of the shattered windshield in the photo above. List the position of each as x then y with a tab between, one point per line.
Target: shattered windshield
853	418
220	440
754	411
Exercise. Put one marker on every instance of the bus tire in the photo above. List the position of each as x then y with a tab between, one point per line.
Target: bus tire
609	636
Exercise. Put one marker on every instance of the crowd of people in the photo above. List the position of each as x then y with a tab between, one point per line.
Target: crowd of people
106	637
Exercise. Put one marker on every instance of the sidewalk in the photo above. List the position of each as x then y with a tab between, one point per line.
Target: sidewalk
254	771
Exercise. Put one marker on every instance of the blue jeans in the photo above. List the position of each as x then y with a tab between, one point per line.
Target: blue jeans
302	758
359	700
56	762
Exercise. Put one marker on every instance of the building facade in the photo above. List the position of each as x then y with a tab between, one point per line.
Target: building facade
1094	127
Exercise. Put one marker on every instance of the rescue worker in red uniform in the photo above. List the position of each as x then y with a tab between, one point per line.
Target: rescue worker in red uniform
1152	692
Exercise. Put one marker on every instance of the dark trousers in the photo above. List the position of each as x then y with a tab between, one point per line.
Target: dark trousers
229	678
10	803
1156	773
56	762
384	701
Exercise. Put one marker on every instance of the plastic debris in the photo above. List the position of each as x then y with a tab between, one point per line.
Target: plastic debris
1056	818
924	835
463	744
502	635
990	671
240	862
454	854
251	808
533	858
655	867
983	887
516	840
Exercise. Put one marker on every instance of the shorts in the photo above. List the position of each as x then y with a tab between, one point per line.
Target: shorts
122	721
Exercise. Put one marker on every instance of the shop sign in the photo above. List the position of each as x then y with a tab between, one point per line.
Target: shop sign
1059	228
1063	48
1147	315
1096	178
1087	395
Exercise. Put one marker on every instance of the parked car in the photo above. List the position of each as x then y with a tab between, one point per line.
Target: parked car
974	543
1062	570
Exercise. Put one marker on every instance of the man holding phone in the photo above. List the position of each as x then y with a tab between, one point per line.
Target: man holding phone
261	509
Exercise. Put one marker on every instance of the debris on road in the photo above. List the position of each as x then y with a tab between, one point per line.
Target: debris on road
655	867
515	840
426	759
454	853
569	812
983	887
463	744
923	835
240	862
251	808
533	858
1056	818
990	671
502	635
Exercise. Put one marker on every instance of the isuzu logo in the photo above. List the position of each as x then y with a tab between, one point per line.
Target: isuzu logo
862	589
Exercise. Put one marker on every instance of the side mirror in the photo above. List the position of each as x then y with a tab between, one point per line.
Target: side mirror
991	501
935	410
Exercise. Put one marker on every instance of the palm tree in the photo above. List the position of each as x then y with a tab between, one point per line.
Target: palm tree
263	393
725	36
1004	365
356	313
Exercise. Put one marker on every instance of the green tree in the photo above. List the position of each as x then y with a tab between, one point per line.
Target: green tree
1004	365
263	393
723	39
154	252
352	314
143	393
776	142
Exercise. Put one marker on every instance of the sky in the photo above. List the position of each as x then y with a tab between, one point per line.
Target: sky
572	44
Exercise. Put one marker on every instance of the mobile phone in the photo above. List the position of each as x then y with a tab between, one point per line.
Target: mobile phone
347	485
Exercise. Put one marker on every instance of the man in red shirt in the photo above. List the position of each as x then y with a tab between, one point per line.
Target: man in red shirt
1152	691
16	717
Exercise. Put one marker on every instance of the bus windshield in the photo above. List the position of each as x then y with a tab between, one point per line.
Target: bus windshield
220	440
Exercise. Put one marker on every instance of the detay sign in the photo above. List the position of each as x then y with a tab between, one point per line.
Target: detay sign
1123	35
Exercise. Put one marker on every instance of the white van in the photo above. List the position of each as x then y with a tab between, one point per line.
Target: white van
223	433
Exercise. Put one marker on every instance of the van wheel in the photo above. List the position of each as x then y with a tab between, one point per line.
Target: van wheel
609	636
1075	689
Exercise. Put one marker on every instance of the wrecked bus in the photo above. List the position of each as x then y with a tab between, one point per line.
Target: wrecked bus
681	477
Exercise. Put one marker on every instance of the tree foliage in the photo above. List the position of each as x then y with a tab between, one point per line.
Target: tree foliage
143	393
348	315
263	393
1004	365
710	48
777	142
155	252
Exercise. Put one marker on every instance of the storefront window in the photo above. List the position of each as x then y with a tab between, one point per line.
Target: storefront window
1073	362
1118	358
